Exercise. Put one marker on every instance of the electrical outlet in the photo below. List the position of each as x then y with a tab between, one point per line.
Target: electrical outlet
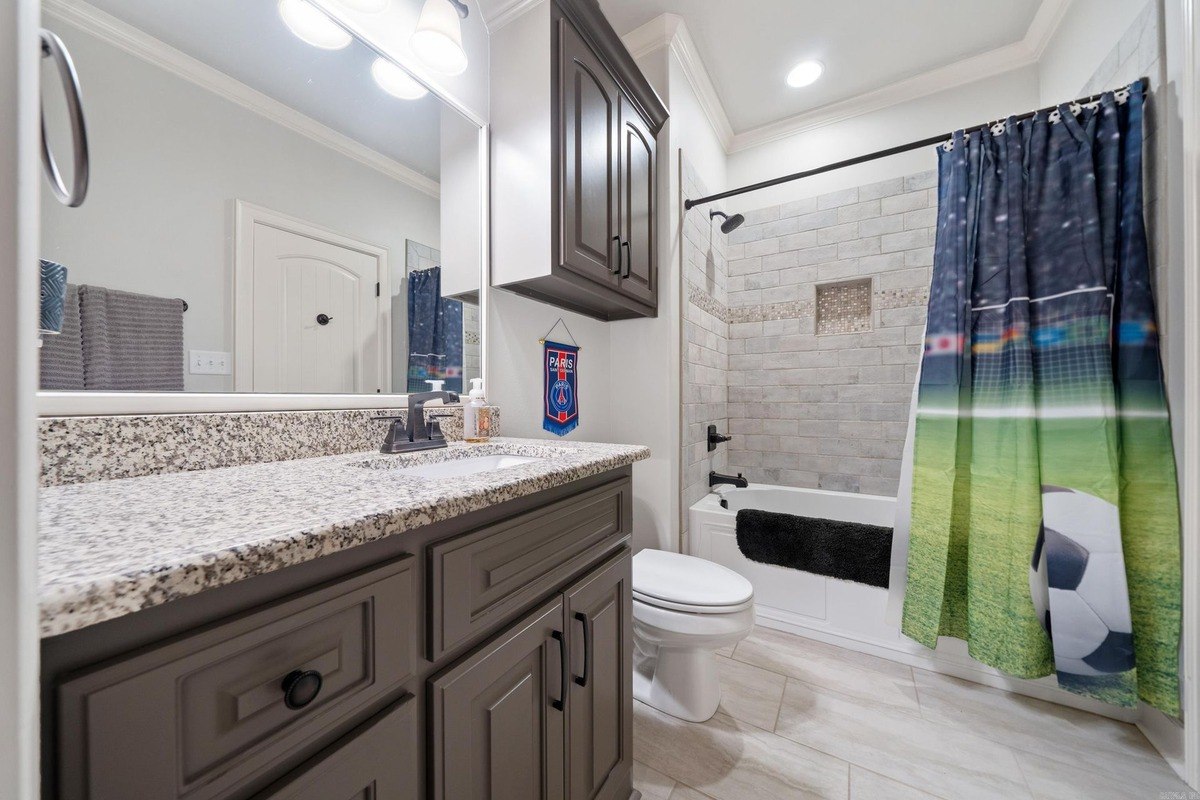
210	362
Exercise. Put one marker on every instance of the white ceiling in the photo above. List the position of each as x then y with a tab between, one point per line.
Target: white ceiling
748	46
247	40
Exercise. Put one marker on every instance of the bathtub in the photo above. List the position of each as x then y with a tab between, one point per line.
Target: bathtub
849	615
787	598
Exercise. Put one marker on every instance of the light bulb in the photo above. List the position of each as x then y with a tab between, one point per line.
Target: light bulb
395	81
805	73
312	26
438	38
365	6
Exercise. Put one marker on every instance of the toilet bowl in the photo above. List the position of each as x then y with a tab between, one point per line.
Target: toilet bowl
684	610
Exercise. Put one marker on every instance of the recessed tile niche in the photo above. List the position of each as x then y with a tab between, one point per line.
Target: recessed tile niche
844	307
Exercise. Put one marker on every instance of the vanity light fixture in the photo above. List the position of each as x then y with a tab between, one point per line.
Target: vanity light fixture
395	81
438	38
312	26
805	73
365	6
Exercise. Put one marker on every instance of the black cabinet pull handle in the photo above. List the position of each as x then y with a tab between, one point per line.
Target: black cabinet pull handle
301	687
564	671
617	271
587	648
324	319
628	259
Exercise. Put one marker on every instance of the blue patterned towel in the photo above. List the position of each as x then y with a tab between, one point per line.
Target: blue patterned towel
54	293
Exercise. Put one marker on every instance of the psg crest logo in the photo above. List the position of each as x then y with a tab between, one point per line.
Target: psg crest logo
561	363
561	396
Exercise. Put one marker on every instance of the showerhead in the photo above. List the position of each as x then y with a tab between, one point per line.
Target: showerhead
730	224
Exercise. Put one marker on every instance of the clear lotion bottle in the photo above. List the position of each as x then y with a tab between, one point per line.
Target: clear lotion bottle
477	417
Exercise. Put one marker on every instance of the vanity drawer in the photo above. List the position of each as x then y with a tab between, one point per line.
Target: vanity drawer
378	761
480	578
204	716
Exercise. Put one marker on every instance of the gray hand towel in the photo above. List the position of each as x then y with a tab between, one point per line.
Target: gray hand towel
62	355
131	342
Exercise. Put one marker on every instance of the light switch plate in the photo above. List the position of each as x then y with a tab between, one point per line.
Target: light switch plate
210	362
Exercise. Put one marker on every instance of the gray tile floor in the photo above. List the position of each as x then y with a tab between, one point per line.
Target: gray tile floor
803	719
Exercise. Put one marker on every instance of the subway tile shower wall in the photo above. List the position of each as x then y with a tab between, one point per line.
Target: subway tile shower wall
706	343
830	410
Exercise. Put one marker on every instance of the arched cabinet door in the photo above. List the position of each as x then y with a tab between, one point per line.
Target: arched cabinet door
589	102
639	272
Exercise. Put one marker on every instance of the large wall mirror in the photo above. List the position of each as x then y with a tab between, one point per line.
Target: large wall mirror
264	215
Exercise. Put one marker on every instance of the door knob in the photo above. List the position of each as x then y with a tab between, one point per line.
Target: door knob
324	319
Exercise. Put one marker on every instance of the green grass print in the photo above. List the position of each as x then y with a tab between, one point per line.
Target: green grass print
976	587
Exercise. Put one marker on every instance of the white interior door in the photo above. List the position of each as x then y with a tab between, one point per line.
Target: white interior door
309	314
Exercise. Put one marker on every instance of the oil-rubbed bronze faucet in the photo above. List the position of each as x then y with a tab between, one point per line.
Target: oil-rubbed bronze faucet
411	432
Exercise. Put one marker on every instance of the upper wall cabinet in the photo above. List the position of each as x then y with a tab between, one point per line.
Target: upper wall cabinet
574	123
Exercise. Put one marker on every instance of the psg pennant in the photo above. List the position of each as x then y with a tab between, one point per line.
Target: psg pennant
561	364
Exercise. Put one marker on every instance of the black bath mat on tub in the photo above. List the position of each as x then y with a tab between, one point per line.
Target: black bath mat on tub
851	551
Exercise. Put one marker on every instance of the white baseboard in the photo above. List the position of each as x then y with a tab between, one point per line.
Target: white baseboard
1166	735
945	663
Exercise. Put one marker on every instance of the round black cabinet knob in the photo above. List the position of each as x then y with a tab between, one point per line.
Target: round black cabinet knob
301	687
324	319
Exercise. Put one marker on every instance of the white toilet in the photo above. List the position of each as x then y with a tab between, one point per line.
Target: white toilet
684	610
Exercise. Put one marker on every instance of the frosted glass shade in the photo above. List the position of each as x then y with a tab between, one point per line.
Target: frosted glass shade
395	81
365	6
311	25
437	41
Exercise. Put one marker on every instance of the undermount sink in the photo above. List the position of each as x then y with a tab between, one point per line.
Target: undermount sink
461	467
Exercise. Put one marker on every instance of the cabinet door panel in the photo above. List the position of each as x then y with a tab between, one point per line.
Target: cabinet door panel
639	274
588	115
495	732
600	725
378	761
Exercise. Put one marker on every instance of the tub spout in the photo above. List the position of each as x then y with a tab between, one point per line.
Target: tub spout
716	479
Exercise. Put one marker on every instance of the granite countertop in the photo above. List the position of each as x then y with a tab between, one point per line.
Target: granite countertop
111	548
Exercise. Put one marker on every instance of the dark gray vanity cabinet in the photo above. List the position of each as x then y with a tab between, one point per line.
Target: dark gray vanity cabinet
367	765
586	238
487	656
599	610
543	711
498	718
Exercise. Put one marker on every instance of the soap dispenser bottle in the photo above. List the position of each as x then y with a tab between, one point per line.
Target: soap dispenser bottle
477	416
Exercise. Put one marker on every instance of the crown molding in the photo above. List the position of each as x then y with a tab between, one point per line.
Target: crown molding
671	32
136	42
1043	25
506	12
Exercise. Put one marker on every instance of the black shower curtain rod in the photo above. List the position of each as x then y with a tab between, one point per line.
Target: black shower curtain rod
891	151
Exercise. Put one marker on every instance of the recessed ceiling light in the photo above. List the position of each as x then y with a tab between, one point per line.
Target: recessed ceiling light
365	6
805	73
311	25
395	81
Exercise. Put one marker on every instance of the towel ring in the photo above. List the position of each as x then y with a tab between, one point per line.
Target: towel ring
53	47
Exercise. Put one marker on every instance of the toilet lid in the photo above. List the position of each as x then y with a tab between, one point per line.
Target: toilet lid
674	580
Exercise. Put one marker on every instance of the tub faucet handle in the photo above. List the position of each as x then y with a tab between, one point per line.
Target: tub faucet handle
715	438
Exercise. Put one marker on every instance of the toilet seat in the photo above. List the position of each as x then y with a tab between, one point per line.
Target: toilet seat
688	584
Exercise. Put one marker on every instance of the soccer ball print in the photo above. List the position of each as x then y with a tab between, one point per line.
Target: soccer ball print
1077	583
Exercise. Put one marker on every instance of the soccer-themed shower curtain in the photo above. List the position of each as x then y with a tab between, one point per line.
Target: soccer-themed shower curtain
1045	519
